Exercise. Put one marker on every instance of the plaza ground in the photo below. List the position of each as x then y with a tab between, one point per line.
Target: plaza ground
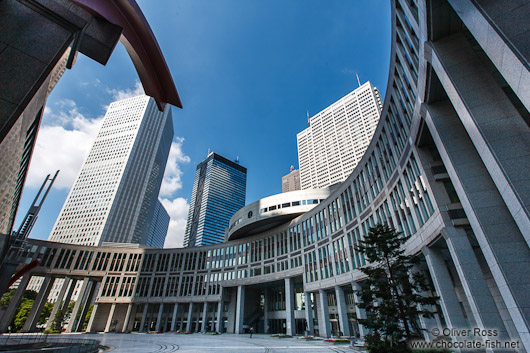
194	343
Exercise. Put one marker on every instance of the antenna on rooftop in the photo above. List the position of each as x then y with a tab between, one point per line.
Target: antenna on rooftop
237	159
358	81
208	151
307	117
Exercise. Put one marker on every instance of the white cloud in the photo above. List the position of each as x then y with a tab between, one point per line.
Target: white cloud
63	143
172	176
118	95
178	212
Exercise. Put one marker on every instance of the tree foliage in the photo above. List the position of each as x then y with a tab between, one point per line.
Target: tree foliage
392	293
87	317
22	314
46	311
57	323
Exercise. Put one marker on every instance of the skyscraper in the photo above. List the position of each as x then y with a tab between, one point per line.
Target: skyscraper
291	181
159	226
337	137
115	195
218	192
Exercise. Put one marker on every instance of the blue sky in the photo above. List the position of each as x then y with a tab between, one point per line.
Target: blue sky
246	72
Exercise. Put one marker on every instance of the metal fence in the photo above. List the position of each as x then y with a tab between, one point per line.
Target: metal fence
46	343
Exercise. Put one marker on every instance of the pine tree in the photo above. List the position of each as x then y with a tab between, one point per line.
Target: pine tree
391	294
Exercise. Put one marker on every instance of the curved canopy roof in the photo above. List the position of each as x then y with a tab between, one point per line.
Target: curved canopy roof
141	44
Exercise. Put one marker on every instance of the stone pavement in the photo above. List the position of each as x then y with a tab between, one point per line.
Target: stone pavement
195	343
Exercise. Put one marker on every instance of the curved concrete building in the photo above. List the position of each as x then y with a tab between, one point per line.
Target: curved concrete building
448	165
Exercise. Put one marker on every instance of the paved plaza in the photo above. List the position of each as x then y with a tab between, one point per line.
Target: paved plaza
172	342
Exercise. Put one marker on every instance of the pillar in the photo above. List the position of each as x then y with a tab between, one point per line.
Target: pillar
125	327
204	317
36	309
266	328
71	325
7	268
309	314
451	308
9	313
427	324
190	317
240	309
68	297
220	316
110	317
58	303
174	320
483	307
324	325
144	316
86	305
159	317
359	312
92	317
289	307
341	309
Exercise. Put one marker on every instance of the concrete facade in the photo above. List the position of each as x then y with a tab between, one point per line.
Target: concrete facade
448	165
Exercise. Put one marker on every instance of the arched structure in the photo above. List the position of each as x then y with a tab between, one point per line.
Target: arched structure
448	165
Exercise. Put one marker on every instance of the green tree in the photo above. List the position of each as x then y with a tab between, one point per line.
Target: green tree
46	311
6	298
391	294
22	314
57	324
8	295
87	317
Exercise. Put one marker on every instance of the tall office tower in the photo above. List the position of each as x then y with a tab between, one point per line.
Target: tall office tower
291	181
116	192
159	226
337	137
218	192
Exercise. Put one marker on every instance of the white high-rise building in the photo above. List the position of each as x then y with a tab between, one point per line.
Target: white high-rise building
337	137
115	195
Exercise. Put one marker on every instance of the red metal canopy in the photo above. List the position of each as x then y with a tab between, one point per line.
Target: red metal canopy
141	44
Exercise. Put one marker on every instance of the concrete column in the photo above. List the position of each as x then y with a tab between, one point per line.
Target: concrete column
159	317
125	327
219	327
58	303
204	317
451	308
71	325
92	317
7	269
190	317
68	297
360	313
240	309
309	313
289	307
86	305
36	309
341	309
144	316
480	300
110	317
266	310
427	324
9	313
174	317
324	325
